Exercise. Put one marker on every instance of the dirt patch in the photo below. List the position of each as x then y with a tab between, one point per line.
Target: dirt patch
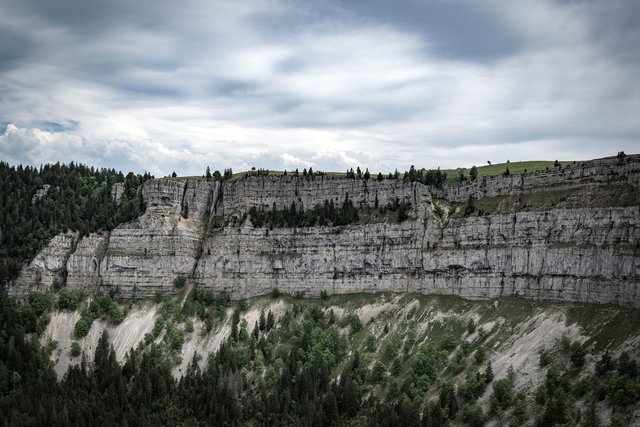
523	345
368	312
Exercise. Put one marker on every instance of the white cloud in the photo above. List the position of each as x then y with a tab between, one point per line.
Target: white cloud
234	84
293	162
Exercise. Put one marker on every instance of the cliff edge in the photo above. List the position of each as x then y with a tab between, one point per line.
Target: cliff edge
567	234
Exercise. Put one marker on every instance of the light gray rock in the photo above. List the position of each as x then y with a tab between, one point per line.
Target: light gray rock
586	254
117	190
49	266
593	172
40	193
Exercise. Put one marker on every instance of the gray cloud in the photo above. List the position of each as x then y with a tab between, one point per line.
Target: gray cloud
275	83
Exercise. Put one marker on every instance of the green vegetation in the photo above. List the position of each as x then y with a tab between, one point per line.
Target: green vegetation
75	349
547	199
77	198
514	168
303	368
325	214
68	299
179	282
435	177
321	214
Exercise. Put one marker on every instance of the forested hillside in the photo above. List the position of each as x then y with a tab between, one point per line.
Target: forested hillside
346	360
36	204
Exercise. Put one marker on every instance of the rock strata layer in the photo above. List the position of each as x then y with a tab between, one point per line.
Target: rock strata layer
198	229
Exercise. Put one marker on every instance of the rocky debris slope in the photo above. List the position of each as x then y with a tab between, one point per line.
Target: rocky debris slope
198	229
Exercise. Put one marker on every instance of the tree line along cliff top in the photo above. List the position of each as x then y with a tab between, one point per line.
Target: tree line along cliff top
452	175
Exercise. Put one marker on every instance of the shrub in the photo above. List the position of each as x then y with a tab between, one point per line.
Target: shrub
275	293
188	327
396	367
480	354
324	295
75	349
177	338
577	355
82	327
221	304
39	302
179	281
158	327
69	299
116	312
354	321
240	356
545	359
471	326
148	338
448	342
370	344
503	392
378	372
158	297
472	414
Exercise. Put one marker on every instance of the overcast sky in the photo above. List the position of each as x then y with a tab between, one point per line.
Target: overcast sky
165	85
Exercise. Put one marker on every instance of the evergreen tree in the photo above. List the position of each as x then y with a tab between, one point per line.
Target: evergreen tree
473	173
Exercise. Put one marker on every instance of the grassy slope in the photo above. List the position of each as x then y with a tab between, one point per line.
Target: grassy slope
487	170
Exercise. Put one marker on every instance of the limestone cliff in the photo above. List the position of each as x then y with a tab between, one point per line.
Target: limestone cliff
582	247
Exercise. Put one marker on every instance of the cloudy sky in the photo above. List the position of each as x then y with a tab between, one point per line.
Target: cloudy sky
150	85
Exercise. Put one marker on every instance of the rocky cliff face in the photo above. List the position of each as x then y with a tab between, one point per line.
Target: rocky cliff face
199	229
597	172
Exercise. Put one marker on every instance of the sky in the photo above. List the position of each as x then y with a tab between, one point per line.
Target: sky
164	86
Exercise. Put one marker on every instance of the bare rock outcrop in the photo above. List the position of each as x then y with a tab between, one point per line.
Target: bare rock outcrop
199	229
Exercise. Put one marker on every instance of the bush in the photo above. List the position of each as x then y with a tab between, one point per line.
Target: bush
177	338
354	321
378	372
39	302
275	293
472	414
370	344
179	281
396	367
158	327
503	392
68	299
324	295
577	355
116	312
188	327
158	297
471	326
148	338
545	359
82	327
221	304
75	349
448	342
